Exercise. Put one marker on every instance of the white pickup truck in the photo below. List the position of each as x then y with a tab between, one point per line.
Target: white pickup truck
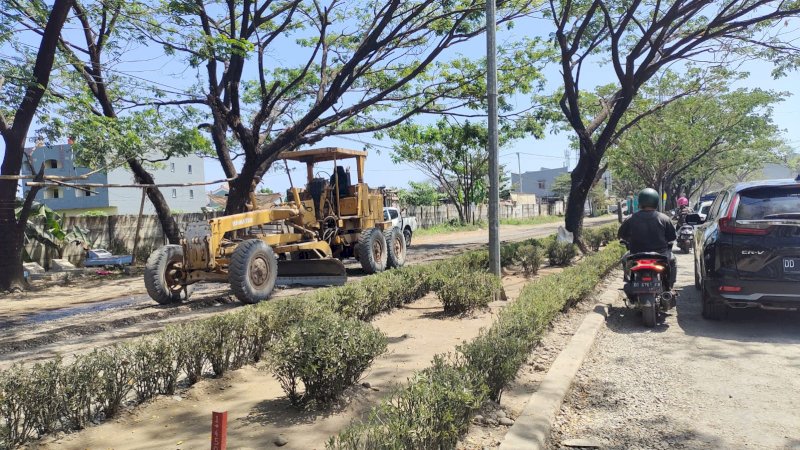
408	225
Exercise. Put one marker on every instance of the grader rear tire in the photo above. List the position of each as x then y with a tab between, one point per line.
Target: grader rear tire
396	248
253	271
161	273
371	251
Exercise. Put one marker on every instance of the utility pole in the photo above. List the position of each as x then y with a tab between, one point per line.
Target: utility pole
494	178
519	171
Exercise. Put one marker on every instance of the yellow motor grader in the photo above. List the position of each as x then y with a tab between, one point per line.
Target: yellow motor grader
301	241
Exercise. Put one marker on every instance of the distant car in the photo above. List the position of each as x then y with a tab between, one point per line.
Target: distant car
747	251
407	225
702	208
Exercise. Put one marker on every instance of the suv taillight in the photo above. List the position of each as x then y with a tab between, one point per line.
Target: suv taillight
728	224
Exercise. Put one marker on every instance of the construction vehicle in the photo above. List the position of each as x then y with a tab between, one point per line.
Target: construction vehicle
301	241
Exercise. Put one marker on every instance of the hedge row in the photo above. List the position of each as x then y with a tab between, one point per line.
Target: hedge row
318	339
296	333
434	409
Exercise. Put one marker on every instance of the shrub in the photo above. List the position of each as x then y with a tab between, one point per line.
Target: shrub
608	233
327	353
431	412
508	254
78	390
593	238
115	379
434	408
464	291
530	258
561	253
154	366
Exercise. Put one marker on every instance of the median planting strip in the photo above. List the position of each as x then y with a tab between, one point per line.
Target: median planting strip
337	348
434	409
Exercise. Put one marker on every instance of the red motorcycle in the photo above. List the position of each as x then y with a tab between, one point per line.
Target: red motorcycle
646	281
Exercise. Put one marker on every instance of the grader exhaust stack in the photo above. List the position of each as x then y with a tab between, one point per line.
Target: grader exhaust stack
302	241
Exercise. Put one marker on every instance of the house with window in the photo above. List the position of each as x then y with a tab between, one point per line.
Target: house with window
539	182
72	199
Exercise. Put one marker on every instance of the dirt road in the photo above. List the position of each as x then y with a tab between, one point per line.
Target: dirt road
90	312
689	383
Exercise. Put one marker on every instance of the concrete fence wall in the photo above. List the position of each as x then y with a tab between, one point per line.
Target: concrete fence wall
117	233
428	216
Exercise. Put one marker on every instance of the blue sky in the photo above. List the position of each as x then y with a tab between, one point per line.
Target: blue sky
535	154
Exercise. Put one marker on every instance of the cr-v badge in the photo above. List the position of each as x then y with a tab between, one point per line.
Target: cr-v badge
753	252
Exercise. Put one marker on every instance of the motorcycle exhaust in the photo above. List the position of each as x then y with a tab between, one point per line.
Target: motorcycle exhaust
668	300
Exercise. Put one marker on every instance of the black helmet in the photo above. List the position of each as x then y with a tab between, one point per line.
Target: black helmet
648	198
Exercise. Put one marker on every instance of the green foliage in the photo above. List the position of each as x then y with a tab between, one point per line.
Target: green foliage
454	155
508	254
419	194
593	238
562	185
716	134
431	412
561	253
530	258
462	291
327	353
47	228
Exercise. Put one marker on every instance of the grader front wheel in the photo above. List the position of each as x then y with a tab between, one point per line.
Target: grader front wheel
253	271
162	274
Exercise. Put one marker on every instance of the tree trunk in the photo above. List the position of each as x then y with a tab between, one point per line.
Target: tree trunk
582	180
168	224
11	230
239	190
11	276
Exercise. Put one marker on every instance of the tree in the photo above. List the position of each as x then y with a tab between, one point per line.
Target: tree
351	66
265	190
454	155
562	185
697	138
419	194
103	136
23	87
640	40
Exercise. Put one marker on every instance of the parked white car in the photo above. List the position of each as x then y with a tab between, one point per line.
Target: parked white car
408	225
703	207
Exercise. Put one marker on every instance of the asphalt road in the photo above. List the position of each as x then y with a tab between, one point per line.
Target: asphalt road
689	383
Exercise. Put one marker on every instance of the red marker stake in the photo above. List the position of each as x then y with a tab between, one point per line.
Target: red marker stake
219	430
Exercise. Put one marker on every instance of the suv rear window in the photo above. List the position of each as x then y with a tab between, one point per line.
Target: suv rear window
768	202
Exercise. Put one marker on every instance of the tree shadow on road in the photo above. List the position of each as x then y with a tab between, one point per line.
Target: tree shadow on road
743	325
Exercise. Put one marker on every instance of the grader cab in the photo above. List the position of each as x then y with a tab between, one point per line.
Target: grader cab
301	241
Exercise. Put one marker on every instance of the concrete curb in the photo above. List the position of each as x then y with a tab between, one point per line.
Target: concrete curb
531	430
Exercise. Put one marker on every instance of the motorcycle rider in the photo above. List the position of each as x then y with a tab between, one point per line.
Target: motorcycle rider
683	210
650	231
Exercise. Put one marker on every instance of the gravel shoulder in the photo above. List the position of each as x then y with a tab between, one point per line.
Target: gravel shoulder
688	383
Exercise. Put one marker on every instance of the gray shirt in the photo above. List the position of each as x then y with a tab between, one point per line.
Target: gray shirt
648	231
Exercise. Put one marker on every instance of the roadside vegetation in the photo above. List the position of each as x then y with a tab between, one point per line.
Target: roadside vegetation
316	345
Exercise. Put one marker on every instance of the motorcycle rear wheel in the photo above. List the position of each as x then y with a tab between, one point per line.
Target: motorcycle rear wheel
649	310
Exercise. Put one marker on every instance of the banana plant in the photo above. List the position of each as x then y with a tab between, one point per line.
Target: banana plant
47	228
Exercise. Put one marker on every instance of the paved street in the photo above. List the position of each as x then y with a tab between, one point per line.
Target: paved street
689	383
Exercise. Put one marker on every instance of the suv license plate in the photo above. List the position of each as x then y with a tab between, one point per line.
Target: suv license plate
791	265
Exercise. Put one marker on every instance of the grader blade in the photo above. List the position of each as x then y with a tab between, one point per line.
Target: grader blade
312	272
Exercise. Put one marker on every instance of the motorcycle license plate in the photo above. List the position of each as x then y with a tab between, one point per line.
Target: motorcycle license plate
645	286
686	236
